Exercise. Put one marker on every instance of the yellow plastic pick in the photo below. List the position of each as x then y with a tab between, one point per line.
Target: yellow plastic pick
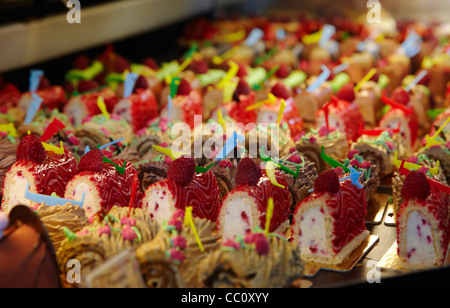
233	37
228	91
220	119
280	113
189	221
432	140
270	170
9	128
412	166
269	215
181	68
365	79
220	59
312	38
234	68
271	100
101	105
172	154
52	148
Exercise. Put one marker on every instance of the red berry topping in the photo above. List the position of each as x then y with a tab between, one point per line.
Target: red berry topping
81	62
346	93
242	88
150	62
248	172
242	72
31	148
182	170
296	159
184	88
352	153
91	161
401	96
87	85
141	83
283	71
327	181
416	186
280	91
199	66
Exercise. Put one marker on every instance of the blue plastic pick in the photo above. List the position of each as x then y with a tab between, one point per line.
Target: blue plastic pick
340	68
321	79
169	107
230	144
130	81
35	79
280	34
411	45
416	80
87	148
354	178
49	200
327	32
34	107
254	37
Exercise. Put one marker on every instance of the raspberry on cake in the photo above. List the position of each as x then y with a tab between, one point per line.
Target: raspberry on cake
244	208
46	172
183	187
104	184
330	223
422	223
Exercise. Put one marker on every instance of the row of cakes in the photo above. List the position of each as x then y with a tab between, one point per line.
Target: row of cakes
116	142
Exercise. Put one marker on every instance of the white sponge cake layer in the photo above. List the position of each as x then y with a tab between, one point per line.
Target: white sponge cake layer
419	240
15	186
238	215
159	203
80	185
313	242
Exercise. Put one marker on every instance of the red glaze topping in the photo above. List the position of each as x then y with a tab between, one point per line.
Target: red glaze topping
52	175
114	188
91	161
202	194
248	172
182	170
190	105
416	186
144	108
437	205
348	208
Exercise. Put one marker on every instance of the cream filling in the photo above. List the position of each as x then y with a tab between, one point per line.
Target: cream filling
419	240
122	109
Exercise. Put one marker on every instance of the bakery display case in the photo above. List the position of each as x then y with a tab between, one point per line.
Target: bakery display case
224	143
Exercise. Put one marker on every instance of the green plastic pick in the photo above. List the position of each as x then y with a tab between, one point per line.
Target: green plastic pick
331	161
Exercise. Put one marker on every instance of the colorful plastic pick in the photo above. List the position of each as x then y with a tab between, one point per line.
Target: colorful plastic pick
320	79
270	100
416	80
34	107
279	162
49	200
270	170
327	32
234	68
50	147
175	83
377	131
220	119
119	169
431	141
312	38
181	68
340	68
190	221
220	59
395	104
365	79
172	154
269	215
102	106
52	129
9	128
354	177
230	144
412	166
199	169
254	37
129	83
87	74
35	79
133	193
333	163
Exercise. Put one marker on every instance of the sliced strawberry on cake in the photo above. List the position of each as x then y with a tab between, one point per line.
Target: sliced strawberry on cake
46	172
183	187
330	223
138	109
86	105
53	97
9	95
244	208
104	184
423	221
